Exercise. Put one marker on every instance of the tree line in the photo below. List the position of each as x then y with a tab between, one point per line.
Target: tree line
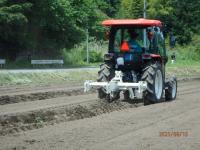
44	27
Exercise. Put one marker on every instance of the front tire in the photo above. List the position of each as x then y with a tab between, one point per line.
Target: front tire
154	78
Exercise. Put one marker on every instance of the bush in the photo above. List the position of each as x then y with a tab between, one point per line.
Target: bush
188	54
95	56
78	54
74	56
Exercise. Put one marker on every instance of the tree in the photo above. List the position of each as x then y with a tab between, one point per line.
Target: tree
44	27
131	9
13	25
185	19
180	17
52	26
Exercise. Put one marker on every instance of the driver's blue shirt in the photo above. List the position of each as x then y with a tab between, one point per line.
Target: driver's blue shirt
134	46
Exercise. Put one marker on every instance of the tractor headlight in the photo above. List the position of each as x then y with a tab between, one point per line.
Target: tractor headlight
120	61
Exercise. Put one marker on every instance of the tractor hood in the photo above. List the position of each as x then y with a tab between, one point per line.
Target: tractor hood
135	22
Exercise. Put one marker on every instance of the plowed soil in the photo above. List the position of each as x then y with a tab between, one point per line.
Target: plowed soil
63	117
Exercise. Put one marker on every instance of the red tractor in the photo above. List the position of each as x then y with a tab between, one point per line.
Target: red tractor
135	63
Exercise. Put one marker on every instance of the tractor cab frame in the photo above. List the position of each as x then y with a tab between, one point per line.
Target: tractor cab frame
154	48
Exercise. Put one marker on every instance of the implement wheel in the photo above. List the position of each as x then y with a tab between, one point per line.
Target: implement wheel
171	91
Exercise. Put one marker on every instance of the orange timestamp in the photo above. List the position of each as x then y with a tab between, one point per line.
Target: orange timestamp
173	134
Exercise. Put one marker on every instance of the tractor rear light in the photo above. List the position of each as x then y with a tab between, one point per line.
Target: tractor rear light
146	56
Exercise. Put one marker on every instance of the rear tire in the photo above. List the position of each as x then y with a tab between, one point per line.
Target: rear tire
154	78
105	74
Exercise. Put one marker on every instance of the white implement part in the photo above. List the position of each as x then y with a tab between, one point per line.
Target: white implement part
116	84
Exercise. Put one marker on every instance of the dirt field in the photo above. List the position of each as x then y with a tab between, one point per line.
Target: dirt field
59	117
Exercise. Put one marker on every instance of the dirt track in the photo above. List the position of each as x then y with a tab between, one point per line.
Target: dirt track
64	118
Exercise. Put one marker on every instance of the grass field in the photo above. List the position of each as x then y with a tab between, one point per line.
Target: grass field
79	76
7	78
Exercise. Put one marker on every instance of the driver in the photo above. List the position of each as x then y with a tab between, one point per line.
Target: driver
133	44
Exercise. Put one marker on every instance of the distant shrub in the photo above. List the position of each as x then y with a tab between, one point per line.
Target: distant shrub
95	56
188	54
78	54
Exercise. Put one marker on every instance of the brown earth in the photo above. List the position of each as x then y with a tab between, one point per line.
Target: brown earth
60	120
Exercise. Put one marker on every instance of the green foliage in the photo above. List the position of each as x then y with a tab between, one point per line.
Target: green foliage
131	9
96	56
186	19
159	9
53	26
13	24
13	13
46	78
44	27
187	55
180	17
196	44
109	7
74	56
78	55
